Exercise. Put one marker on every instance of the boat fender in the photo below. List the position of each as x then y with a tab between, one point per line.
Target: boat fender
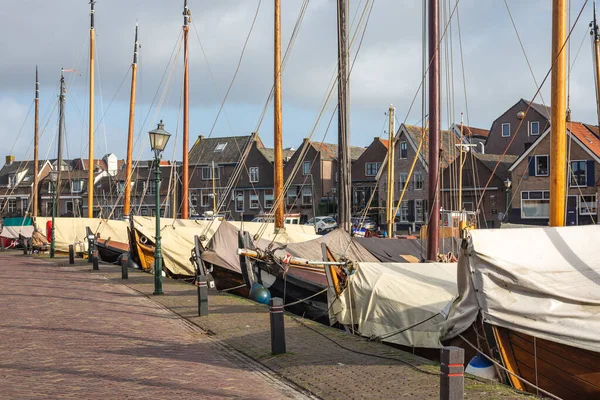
482	367
259	293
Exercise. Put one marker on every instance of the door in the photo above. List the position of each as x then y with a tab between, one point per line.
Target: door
571	210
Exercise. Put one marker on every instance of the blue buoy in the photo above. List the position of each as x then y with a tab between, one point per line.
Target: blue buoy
482	367
260	294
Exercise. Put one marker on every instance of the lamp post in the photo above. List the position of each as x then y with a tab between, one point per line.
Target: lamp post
158	141
507	184
53	179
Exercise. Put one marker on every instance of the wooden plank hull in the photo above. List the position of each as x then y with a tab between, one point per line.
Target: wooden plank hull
110	251
565	371
144	251
226	279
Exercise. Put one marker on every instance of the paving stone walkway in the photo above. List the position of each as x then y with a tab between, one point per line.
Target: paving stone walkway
68	333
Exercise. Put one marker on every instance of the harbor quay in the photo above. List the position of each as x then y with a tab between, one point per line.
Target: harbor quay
72	332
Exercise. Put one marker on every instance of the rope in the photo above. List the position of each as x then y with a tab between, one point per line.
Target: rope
306	298
234	288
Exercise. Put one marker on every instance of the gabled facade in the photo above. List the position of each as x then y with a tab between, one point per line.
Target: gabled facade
517	128
16	186
530	176
364	174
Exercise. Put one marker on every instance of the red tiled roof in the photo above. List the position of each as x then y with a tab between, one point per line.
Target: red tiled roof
471	131
581	132
385	142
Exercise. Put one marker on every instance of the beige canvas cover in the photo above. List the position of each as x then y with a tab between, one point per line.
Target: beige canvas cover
401	303
12	232
544	282
72	231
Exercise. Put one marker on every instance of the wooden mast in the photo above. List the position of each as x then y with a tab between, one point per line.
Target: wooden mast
558	132
343	119
595	35
90	187
34	189
277	133
433	232
186	113
129	165
390	176
61	127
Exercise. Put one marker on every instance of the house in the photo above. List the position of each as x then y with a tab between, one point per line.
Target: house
364	173
517	128
16	186
413	209
530	176
485	178
313	175
472	136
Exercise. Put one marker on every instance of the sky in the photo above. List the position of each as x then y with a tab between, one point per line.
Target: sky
484	69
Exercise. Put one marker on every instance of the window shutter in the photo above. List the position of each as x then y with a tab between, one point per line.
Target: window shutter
591	180
531	162
425	211
411	211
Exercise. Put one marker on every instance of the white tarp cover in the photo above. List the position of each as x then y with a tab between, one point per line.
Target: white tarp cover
12	232
401	303
72	231
222	249
543	282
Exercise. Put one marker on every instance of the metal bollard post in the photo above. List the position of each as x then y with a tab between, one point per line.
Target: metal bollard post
452	377
277	328
202	296
71	254
1	244
124	270
95	260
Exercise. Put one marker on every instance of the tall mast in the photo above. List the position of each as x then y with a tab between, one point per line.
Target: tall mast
34	190
61	127
186	112
91	121
433	233
558	132
343	128
390	178
595	35
278	140
129	166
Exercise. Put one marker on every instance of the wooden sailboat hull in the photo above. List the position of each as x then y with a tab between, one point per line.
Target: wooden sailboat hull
227	280
143	249
565	371
110	251
9	243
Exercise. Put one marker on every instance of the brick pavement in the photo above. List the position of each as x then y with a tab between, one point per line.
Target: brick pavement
69	333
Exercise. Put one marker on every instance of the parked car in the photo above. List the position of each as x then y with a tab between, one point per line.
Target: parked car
290	219
367	223
323	224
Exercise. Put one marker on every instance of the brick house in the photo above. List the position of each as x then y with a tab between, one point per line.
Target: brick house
530	175
364	173
471	135
413	211
505	128
16	186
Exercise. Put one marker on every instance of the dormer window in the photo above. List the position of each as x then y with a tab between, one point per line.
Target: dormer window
12	181
77	186
220	147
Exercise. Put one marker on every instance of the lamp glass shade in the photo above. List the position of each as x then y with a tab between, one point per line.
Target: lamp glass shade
159	137
53	176
507	183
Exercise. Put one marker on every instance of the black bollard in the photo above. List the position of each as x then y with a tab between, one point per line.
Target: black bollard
95	260
124	270
202	296
71	254
452	377
277	328
1	244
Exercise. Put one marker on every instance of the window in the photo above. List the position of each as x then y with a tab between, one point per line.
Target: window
49	208
269	198
578	173
207	173
151	187
588	205
253	174
12	205
418	181
306	168
291	197
12	181
239	200
220	147
505	130
120	187
534	128
535	204
541	165
77	186
402	182
403	149
51	187
418	210
306	195
207	198
372	168
69	207
24	204
194	200
254	202
403	211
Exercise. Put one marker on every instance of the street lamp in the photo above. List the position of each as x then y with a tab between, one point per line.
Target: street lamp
507	184
158	141
53	180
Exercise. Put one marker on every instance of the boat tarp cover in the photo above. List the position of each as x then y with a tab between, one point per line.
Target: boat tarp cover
17	221
72	231
400	303
402	250
544	282
12	232
222	248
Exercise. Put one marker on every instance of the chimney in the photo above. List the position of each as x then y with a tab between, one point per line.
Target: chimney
10	160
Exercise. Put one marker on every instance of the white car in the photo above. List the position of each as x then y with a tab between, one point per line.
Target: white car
322	224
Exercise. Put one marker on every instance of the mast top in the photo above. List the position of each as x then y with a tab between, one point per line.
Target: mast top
92	12
186	14
136	45
594	26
